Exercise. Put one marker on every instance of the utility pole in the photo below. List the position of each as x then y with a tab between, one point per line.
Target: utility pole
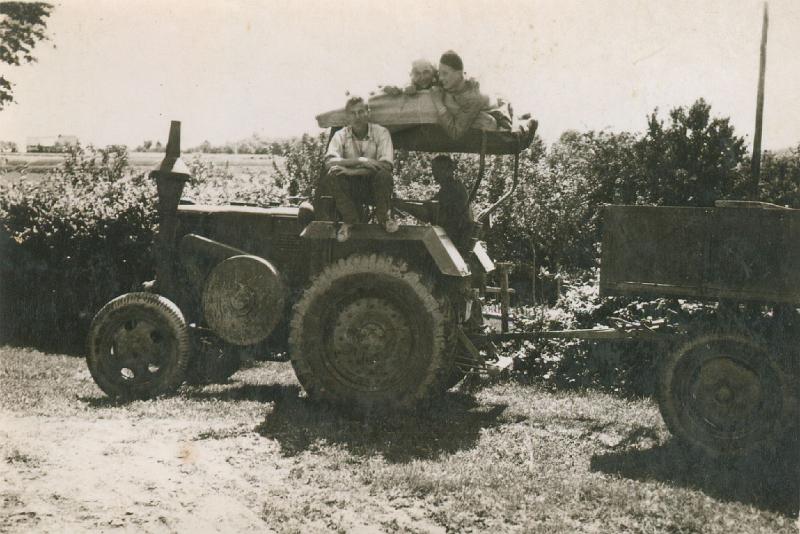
756	162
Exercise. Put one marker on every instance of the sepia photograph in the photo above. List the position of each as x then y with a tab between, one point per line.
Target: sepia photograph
525	266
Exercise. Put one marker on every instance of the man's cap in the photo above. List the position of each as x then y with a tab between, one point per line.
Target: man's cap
452	60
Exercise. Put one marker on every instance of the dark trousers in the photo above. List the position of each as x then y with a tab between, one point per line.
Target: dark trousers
352	193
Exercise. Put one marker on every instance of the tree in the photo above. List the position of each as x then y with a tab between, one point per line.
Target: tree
22	25
694	160
8	146
780	177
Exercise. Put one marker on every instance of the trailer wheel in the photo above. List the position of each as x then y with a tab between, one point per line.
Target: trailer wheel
369	334
721	394
138	346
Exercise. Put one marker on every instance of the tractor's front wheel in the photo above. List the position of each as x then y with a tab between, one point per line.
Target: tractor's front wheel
138	346
369	334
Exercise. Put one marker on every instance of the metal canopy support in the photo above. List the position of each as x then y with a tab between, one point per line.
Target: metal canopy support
483	215
481	168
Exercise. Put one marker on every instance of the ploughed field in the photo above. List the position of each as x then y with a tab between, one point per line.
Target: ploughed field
35	165
254	455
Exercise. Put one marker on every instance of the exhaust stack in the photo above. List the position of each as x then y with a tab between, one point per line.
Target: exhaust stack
170	176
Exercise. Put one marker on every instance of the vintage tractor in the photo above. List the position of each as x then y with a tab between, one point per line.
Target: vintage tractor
384	321
380	321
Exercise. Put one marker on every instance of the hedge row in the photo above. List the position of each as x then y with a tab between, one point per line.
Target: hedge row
83	235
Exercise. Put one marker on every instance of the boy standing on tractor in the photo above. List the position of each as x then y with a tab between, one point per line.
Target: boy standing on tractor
454	213
359	166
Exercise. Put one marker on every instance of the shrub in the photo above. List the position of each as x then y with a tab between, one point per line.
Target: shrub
71	242
305	161
216	184
627	366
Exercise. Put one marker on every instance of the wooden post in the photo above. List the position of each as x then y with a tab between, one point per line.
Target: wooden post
505	301
533	274
756	161
558	281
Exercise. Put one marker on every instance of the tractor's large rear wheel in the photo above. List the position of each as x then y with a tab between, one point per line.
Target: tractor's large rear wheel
369	334
720	393
138	346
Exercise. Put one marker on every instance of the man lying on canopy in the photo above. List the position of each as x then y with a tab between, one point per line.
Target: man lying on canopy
458	101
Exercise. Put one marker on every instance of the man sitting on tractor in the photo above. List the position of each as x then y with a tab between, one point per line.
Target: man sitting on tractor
359	166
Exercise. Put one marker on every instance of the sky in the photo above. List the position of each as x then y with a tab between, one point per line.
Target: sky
116	72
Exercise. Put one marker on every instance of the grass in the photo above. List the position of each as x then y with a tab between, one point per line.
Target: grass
506	456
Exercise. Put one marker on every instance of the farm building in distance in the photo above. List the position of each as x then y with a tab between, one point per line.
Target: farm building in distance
58	143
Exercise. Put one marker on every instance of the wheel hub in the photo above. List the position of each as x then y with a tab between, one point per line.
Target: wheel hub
370	339
138	350
727	394
242	300
724	395
372	343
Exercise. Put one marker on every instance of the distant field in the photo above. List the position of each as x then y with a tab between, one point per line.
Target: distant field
14	166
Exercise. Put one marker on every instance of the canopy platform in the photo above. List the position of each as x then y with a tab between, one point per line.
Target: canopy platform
413	122
432	138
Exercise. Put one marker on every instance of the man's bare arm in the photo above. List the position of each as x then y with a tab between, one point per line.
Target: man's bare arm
359	163
342	162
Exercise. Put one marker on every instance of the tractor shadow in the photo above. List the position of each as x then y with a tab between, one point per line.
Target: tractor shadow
228	391
454	423
264	393
769	481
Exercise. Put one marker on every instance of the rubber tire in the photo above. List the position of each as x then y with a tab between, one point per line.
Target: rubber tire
385	281
167	328
213	361
680	408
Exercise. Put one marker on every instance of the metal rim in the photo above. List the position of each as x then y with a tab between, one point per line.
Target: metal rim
726	392
135	349
374	339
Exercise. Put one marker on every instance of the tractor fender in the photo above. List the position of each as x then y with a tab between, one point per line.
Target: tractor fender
438	245
198	255
483	257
